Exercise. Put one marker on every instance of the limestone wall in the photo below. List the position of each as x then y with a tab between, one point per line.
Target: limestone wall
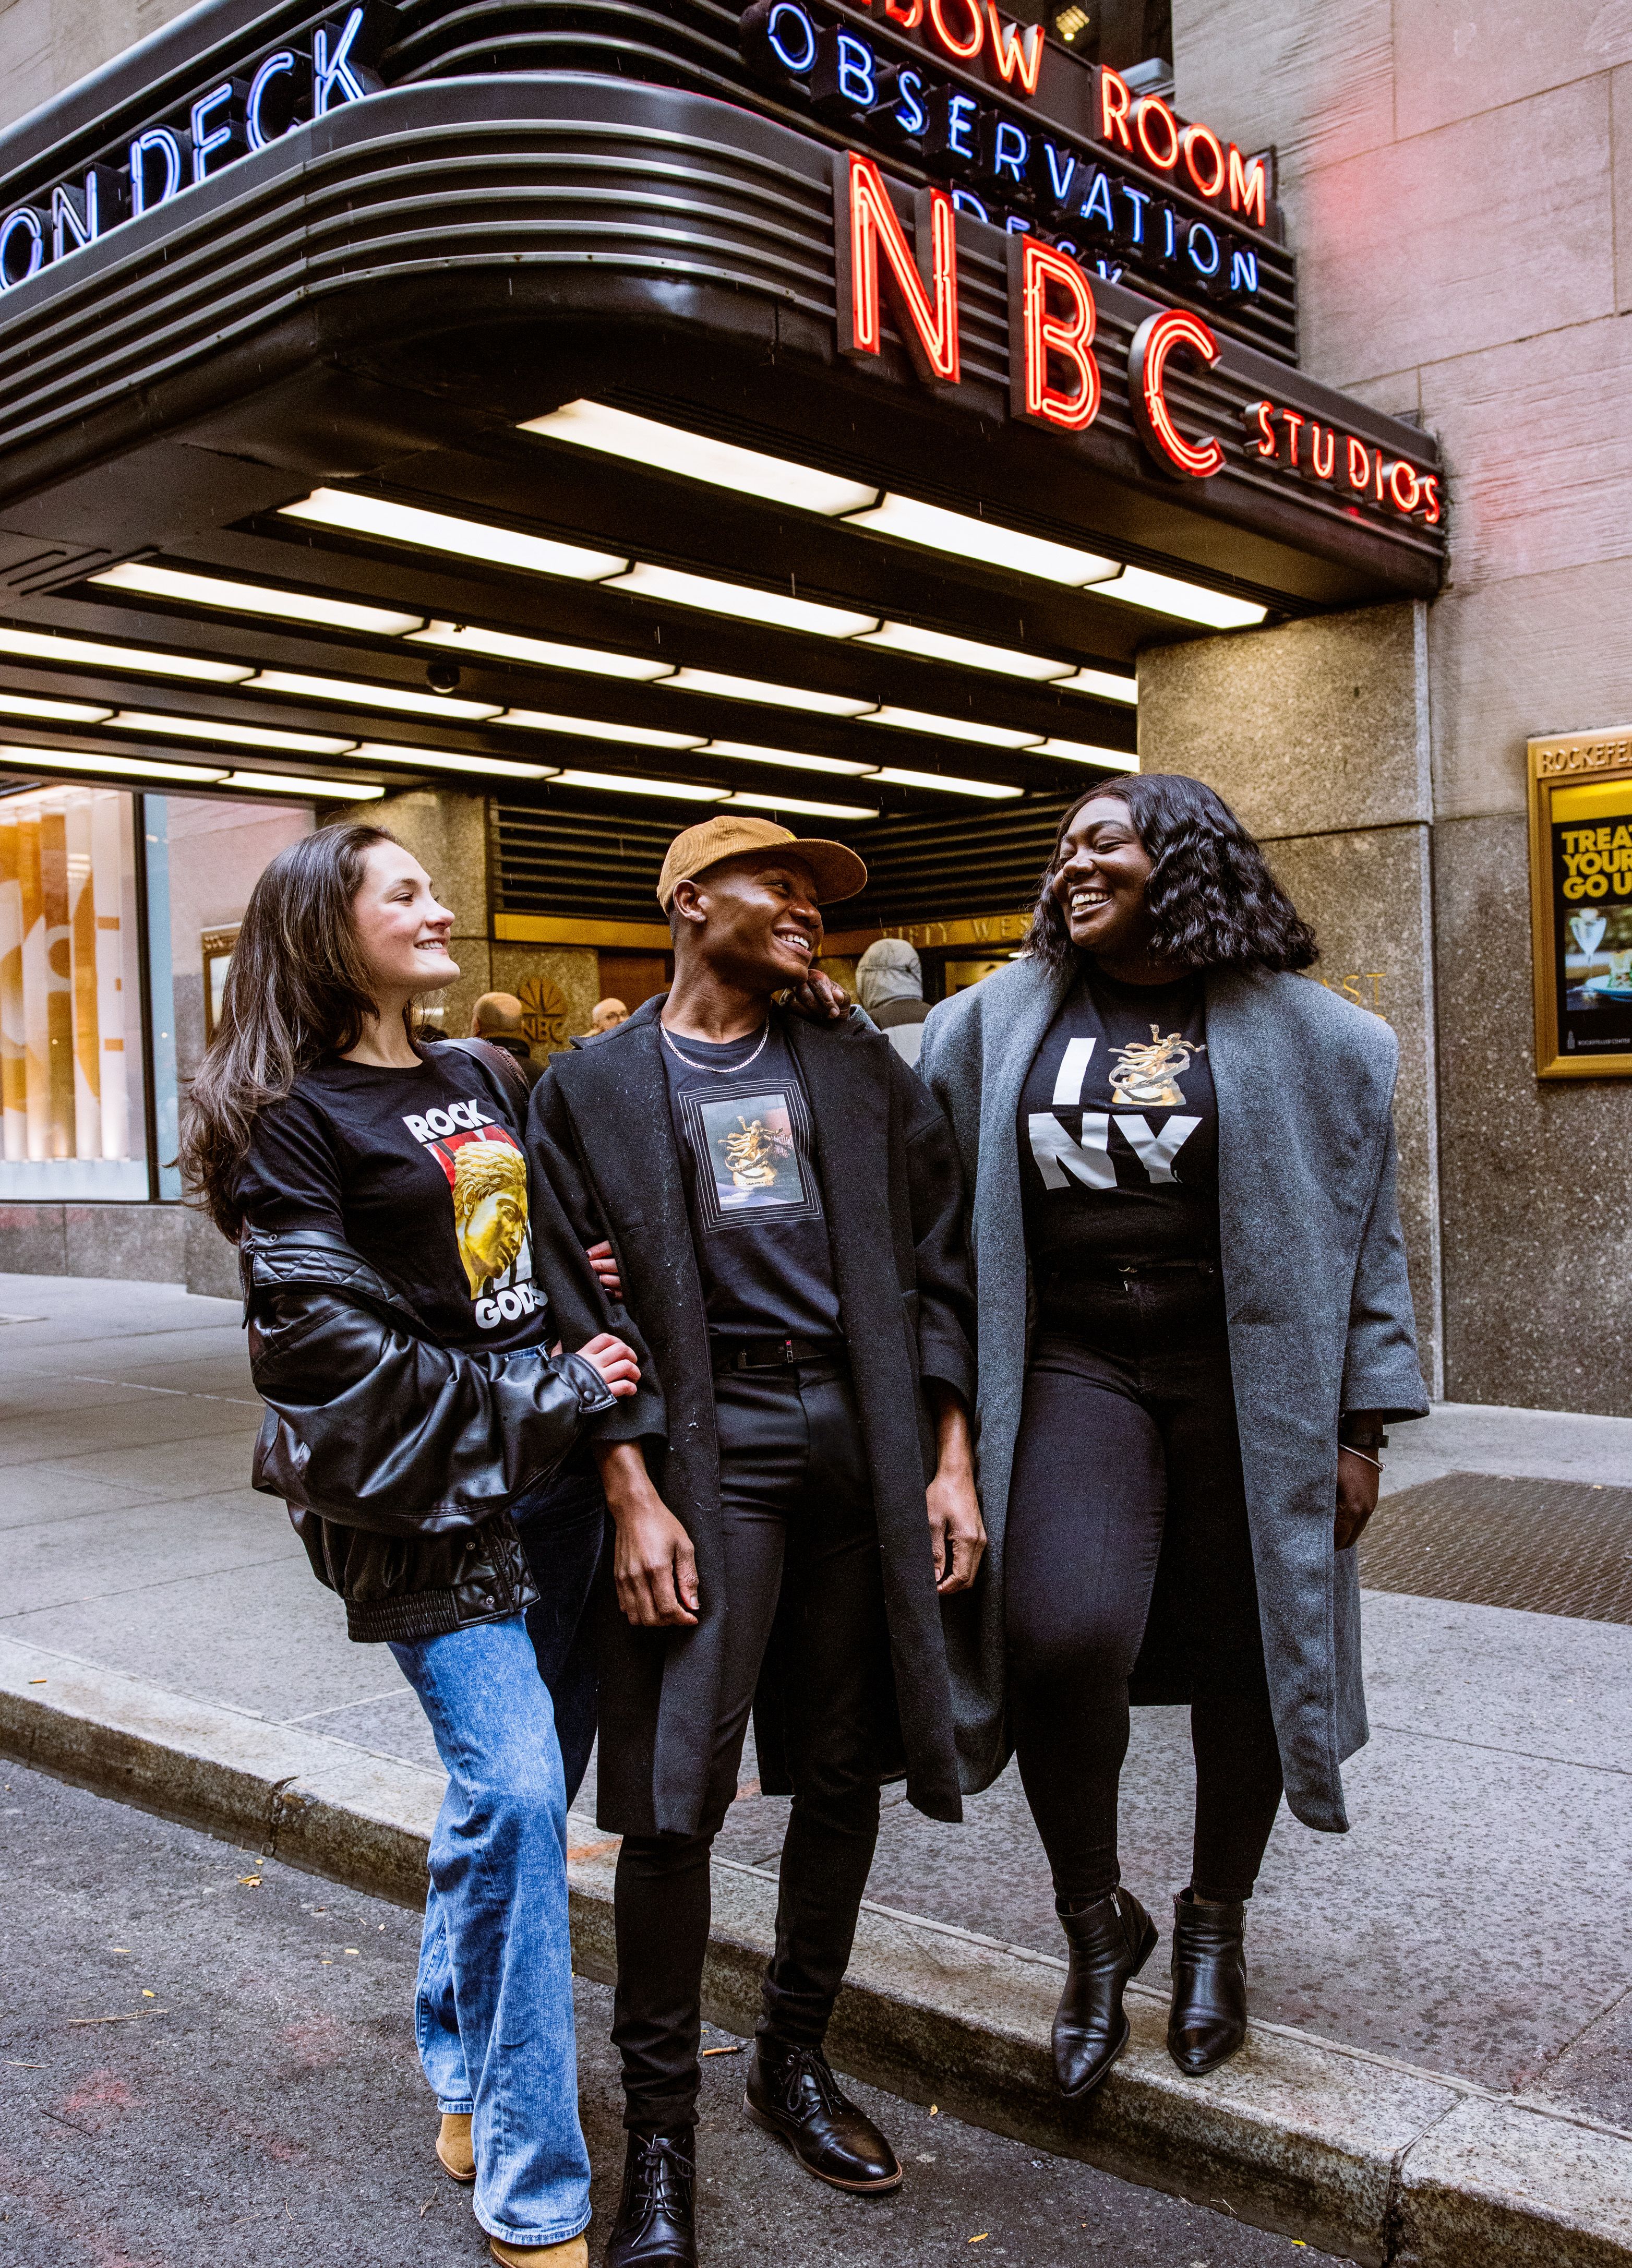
1457	184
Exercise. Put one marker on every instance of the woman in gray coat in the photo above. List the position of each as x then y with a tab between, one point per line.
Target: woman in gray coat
1195	1324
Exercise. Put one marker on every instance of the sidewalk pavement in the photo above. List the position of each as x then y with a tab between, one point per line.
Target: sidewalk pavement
1470	1926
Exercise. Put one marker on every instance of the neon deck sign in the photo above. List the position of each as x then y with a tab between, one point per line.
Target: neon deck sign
241	114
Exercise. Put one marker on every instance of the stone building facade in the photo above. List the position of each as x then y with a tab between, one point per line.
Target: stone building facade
1459	194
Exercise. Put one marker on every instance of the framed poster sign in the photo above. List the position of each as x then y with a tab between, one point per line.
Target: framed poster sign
1581	904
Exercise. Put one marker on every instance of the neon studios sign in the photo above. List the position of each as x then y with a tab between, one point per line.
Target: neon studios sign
285	89
1053	371
1020	173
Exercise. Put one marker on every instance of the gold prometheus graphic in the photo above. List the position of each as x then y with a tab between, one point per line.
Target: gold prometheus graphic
752	1149
1149	1070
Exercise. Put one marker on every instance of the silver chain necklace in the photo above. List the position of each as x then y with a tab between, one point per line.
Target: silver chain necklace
720	1071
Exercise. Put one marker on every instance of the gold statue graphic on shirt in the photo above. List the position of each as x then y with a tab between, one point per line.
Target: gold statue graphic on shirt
489	1208
1149	1072
752	1149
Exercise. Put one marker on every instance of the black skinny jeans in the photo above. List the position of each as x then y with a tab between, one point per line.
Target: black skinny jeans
1128	1530
801	1550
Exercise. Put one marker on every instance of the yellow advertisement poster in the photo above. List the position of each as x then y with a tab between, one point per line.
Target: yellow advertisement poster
1580	876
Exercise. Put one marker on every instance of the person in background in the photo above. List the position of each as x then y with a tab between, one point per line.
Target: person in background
889	978
498	1019
378	1192
791	1492
1195	1323
605	1015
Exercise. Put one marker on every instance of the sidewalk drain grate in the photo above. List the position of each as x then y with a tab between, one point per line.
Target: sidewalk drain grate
1551	1547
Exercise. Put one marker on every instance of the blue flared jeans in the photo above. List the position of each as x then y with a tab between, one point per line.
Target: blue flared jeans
494	2010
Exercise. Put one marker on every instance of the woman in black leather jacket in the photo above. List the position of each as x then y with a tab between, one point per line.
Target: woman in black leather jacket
379	1197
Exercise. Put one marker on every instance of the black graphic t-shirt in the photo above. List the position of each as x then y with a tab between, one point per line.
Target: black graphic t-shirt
743	1124
423	1173
1119	1132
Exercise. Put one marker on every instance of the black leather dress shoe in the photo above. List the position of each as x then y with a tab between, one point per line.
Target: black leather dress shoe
1208	2021
792	2092
654	2228
1110	1941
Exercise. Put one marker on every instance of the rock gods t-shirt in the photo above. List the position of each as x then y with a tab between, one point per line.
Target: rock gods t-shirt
422	1172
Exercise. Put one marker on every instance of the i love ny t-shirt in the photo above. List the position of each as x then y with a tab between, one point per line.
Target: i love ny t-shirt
424	1174
1119	1131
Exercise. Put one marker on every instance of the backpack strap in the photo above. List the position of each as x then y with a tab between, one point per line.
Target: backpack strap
497	1060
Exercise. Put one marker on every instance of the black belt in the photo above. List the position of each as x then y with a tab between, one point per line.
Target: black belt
774	1354
1059	1280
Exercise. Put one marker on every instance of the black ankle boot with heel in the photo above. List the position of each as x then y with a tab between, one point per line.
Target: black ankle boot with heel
1209	2019
1110	1941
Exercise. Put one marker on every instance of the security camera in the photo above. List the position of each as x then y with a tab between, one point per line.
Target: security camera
443	676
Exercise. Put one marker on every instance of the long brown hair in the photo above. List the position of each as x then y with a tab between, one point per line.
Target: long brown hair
296	989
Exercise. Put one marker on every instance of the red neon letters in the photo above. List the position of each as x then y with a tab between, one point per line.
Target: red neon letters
1157	338
1202	138
966	49
867	222
1273	433
1163	152
1035	334
1115	101
1148	130
1249	189
1016	52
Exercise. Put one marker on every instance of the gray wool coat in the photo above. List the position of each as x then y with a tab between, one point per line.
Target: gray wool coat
1318	1307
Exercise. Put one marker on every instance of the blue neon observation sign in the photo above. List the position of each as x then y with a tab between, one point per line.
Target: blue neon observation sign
1026	174
286	89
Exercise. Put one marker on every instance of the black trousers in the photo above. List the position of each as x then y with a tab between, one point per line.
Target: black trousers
1128	1542
802	1560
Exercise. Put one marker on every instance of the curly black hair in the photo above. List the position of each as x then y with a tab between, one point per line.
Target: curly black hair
1213	902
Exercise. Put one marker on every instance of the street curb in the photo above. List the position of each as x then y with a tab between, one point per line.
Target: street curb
1353	2153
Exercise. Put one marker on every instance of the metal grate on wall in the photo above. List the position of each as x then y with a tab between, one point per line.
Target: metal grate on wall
553	859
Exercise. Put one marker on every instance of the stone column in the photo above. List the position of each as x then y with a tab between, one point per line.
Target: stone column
1317	735
447	832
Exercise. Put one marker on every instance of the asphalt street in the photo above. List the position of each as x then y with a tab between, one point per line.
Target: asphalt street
206	2062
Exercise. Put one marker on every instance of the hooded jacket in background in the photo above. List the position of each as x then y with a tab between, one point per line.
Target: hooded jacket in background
889	977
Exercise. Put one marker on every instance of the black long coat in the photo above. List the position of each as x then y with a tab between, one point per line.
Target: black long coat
600	1133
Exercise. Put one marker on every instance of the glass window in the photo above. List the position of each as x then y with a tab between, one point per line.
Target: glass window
70	1028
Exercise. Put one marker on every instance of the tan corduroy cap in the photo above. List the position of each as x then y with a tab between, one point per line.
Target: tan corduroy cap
838	873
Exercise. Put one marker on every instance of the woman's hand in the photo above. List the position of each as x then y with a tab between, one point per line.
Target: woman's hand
957	1532
1357	1483
616	1362
654	1567
600	1259
819	999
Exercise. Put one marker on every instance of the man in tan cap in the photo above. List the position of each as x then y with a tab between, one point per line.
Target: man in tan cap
790	1489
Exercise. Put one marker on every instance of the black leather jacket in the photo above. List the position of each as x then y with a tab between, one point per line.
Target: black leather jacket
397	1457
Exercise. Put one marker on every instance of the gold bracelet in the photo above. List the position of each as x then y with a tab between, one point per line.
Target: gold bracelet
1352	1452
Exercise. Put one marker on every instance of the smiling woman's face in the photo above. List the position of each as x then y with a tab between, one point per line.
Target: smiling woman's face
400	929
1099	879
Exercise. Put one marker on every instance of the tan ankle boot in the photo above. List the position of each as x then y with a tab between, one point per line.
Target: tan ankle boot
573	2254
458	2160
